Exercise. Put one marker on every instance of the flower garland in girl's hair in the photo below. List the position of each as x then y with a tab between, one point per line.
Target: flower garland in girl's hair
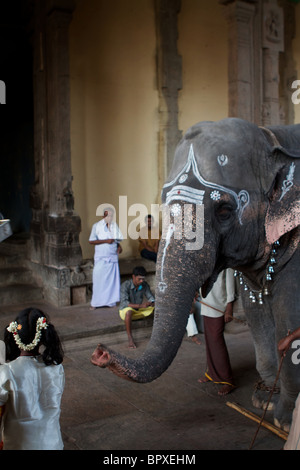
14	327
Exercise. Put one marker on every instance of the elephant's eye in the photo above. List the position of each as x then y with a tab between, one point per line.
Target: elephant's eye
224	212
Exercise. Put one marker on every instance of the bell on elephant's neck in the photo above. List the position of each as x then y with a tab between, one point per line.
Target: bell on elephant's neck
266	292
267	279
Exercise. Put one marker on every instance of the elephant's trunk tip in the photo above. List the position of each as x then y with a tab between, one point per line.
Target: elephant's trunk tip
101	356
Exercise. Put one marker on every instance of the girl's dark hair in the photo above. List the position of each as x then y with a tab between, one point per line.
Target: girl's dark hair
52	353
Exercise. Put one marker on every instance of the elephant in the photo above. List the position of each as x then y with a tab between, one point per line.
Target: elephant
241	185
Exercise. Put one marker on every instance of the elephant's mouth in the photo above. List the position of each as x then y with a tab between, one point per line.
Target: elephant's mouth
208	284
206	287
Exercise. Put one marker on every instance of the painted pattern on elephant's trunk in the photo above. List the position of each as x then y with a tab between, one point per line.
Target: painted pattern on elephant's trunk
233	192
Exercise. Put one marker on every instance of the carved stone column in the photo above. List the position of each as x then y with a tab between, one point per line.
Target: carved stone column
287	65
55	227
272	43
63	225
256	39
241	61
169	80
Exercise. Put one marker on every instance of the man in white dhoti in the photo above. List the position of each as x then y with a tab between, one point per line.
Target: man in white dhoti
106	236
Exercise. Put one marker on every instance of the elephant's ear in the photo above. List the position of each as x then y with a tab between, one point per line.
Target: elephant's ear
277	135
283	214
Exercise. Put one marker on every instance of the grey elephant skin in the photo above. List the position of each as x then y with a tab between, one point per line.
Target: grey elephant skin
241	183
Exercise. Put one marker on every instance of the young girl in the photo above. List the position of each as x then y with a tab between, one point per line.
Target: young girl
31	384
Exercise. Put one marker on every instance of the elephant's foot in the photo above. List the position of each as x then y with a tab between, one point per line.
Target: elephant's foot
284	427
261	396
283	414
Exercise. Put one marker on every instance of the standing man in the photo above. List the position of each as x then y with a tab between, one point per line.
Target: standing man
217	309
137	300
106	237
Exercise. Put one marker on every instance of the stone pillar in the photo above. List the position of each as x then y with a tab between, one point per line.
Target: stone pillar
256	38
55	228
287	65
62	224
169	73
272	44
241	61
38	198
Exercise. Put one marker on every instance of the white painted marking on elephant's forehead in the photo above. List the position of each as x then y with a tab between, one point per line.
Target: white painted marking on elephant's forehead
183	178
175	209
162	285
222	159
215	195
196	196
185	193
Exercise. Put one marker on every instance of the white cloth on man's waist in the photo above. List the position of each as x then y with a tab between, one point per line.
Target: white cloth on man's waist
222	293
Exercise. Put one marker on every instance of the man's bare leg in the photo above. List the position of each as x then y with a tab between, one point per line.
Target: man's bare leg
128	329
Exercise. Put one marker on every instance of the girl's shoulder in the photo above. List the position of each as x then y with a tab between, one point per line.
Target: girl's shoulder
2	352
5	371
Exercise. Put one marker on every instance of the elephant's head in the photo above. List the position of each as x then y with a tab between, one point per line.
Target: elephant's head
230	194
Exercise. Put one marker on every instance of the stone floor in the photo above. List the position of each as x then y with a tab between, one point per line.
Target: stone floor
175	413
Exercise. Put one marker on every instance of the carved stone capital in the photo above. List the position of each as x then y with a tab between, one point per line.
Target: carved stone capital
273	27
240	16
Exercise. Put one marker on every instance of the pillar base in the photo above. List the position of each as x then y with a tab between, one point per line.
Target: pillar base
62	247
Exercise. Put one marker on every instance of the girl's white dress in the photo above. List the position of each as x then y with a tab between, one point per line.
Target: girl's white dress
31	393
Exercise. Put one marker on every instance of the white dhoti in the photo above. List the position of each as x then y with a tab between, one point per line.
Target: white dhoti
191	327
106	283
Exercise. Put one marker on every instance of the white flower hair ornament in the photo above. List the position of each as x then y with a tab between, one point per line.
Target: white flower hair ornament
13	328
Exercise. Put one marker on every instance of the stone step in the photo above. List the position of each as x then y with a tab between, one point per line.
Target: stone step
9	260
10	275
16	281
13	252
18	293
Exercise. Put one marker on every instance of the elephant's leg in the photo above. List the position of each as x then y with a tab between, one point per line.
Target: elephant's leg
261	322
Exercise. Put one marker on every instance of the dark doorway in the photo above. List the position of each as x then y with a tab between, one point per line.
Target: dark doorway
16	116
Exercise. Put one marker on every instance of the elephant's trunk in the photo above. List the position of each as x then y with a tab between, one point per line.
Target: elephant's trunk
176	285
